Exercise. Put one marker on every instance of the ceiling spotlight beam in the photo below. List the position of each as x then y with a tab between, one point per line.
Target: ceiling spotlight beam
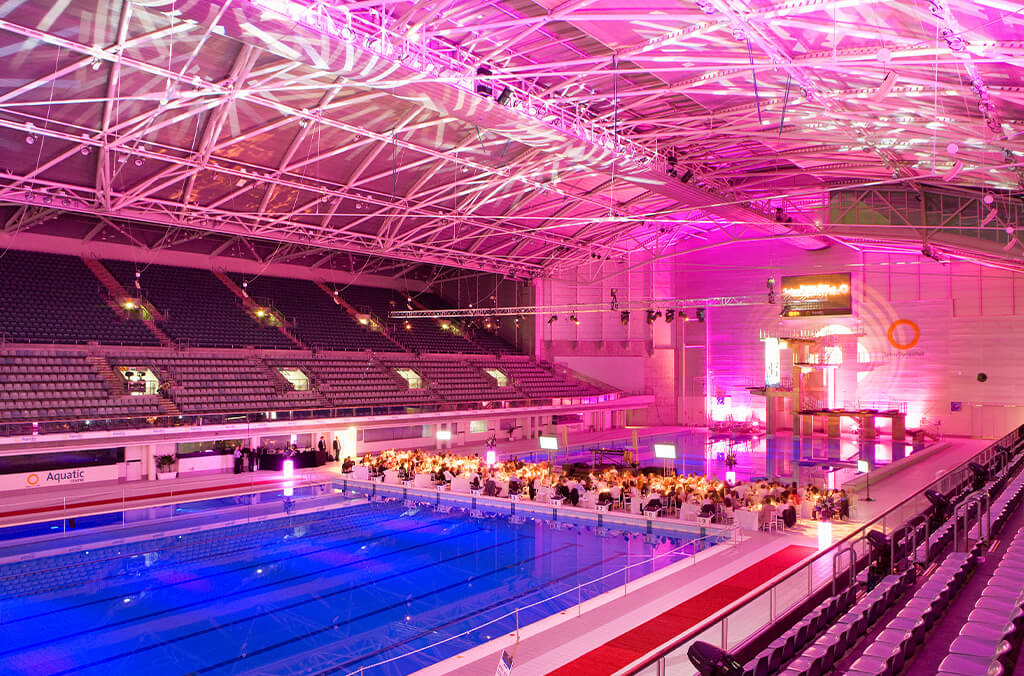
582	308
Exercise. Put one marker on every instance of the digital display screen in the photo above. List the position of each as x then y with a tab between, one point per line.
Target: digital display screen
817	295
549	443
665	451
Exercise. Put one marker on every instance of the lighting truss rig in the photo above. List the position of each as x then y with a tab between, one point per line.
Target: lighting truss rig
581	308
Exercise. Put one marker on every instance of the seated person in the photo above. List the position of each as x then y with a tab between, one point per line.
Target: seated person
347	465
474	484
574	497
514	487
653	503
490	488
604	498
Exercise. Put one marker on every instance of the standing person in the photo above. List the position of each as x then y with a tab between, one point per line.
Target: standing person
337	449
238	459
250	455
321	445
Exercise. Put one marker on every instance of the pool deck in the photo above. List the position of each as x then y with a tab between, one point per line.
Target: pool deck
557	640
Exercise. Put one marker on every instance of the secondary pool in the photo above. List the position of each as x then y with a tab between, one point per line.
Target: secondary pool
316	593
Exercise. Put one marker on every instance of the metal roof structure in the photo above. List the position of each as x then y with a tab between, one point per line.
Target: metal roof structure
520	137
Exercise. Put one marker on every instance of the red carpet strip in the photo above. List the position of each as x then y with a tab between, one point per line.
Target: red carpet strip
133	498
637	642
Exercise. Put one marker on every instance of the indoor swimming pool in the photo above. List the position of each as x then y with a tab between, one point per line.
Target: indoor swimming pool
322	592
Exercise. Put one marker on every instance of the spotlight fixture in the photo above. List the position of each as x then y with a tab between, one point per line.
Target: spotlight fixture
574	319
552	319
624	317
700	315
615	301
408	326
771	290
261	313
687	175
505	96
483	88
669	316
653	315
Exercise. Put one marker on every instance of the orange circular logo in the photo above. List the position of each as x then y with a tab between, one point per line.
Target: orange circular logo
908	344
32	479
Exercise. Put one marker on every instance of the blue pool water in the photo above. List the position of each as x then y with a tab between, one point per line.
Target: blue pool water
316	593
785	457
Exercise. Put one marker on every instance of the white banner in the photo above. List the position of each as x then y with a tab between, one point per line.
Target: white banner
58	477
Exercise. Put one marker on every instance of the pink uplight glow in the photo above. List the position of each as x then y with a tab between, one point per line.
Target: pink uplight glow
289	468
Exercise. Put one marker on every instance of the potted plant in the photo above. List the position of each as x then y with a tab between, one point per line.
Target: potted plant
164	463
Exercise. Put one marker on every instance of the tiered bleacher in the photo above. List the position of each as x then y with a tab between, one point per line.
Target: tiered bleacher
199	310
879	623
59	300
538	382
357	382
457	380
424	335
48	298
229	384
313	316
35	387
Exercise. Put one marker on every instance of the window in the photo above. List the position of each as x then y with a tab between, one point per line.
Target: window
500	379
140	380
477	426
411	377
298	379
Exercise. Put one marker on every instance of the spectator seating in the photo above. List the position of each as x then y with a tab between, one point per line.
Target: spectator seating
354	382
424	335
456	380
313	316
47	298
538	382
198	308
233	384
65	386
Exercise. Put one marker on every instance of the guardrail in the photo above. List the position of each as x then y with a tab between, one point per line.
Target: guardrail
740	620
696	546
126	502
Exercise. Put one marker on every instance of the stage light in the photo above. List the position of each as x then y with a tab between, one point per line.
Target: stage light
574	319
553	319
670	315
624	317
687	175
700	315
129	305
483	88
505	96
445	325
652	316
289	468
615	301
408	326
261	313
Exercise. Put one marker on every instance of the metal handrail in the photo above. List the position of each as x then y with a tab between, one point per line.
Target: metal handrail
723	614
624	571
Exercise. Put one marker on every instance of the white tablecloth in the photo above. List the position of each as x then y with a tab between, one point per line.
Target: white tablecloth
424	480
460	484
391	476
361	472
746	520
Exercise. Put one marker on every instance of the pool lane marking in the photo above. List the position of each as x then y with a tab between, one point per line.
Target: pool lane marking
173	538
434	592
290	606
197	578
535	589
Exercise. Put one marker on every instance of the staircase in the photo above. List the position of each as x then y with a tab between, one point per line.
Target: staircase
251	306
116	385
116	293
354	314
